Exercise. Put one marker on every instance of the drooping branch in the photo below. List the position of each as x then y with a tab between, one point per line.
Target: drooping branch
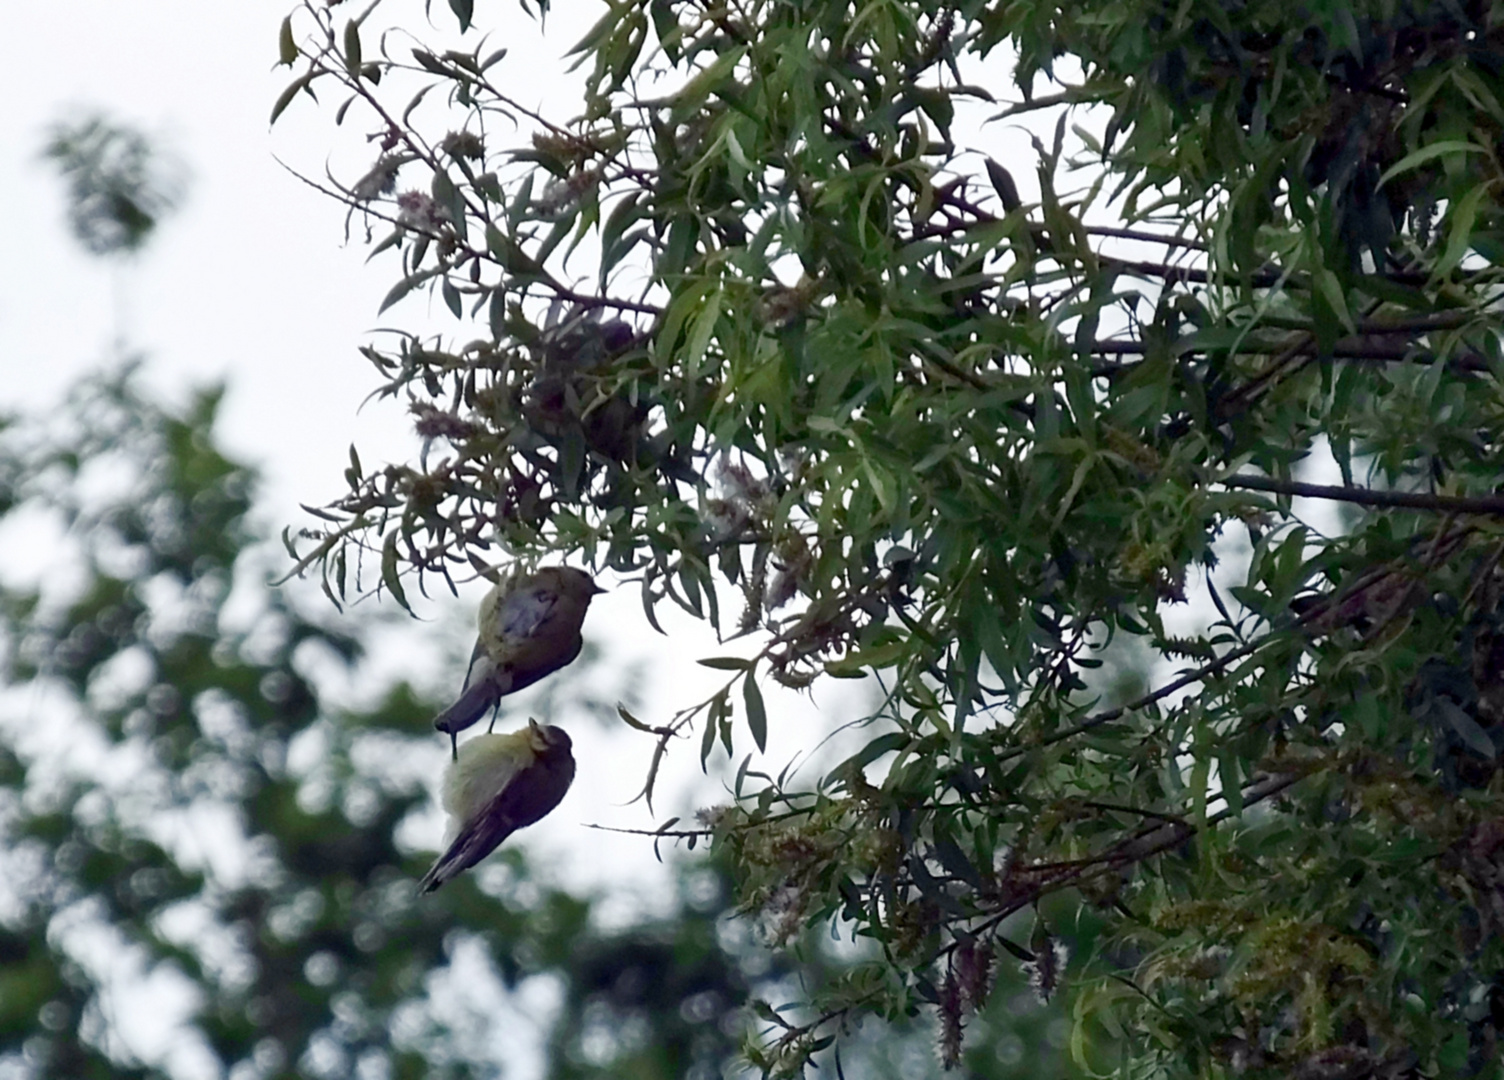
1137	848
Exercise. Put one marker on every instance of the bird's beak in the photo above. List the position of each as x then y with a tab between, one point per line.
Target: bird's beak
595	590
535	737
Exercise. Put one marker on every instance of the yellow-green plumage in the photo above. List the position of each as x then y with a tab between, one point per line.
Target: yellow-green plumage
483	769
496	785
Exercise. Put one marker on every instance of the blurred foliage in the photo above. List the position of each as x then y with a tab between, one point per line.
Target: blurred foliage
120	186
819	350
198	874
152	813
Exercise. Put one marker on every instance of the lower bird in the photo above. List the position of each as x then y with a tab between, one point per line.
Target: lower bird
528	627
496	785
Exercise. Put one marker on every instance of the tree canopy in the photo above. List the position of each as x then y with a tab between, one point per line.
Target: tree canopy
762	317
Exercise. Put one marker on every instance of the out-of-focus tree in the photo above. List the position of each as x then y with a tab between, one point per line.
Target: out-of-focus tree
181	819
762	317
190	844
120	186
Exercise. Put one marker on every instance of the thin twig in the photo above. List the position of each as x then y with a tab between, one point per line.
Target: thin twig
678	834
1147	237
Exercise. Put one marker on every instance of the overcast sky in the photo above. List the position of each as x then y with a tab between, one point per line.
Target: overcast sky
251	281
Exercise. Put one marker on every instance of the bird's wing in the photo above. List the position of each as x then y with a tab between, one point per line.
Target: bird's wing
530	795
526	670
475	841
518	626
524	612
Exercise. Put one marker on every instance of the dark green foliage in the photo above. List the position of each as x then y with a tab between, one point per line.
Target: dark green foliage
976	438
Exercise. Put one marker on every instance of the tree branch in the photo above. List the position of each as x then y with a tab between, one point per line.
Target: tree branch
1360	348
1410	500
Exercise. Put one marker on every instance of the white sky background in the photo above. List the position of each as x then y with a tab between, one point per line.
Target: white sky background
251	281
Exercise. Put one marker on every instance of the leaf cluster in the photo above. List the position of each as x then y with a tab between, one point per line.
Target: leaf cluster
829	358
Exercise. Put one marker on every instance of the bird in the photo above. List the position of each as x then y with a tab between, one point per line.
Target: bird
529	627
496	785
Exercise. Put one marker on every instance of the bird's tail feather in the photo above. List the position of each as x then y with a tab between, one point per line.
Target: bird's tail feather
468	708
438	874
475	841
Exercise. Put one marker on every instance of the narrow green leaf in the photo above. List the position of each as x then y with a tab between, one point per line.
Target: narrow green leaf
352	48
1331	291
401	289
701	331
856	664
707	742
1003	184
1460	230
1231	777
659	750
448	196
727	663
416	101
1429	152
431	62
950	855
883	744
496	313
390	576
629	719
1470	731
287	48
284	99
340	573
715	724
757	717
699	88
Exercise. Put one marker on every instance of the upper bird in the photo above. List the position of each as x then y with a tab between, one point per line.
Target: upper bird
495	786
529	627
